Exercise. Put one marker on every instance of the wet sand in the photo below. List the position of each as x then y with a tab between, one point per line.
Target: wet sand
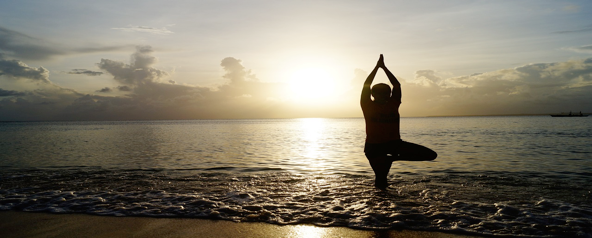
28	224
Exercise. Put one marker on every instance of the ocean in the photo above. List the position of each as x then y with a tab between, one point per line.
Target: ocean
526	176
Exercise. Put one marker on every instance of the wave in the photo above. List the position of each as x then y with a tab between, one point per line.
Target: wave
483	203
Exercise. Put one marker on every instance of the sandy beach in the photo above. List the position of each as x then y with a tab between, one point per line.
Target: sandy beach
26	224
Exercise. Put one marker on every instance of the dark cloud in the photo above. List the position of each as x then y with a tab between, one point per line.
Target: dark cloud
124	88
100	49
104	90
24	47
138	72
45	103
6	93
18	69
85	72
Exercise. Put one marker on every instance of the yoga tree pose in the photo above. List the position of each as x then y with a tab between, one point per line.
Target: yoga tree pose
383	138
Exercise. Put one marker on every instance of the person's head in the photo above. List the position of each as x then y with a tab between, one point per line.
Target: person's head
381	92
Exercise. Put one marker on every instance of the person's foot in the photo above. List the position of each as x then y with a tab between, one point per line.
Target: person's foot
381	183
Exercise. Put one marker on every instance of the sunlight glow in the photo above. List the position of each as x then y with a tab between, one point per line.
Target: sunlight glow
313	79
311	84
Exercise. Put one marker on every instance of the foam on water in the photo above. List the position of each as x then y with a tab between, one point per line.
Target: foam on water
474	203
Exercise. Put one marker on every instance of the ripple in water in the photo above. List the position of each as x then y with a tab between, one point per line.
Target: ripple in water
508	176
488	203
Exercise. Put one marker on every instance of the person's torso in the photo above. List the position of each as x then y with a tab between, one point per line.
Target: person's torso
382	121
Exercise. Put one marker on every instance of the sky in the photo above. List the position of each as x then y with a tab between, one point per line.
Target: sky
153	60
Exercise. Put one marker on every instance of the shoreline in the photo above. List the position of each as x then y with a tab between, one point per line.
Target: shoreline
34	224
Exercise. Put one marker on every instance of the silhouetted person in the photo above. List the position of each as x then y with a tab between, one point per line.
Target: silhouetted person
383	138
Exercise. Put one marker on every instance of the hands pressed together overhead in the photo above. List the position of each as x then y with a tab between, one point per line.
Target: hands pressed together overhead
380	62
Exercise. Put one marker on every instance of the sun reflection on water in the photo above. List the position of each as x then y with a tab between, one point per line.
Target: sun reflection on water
313	134
306	231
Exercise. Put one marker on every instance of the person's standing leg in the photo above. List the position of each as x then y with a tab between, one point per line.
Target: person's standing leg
381	166
414	152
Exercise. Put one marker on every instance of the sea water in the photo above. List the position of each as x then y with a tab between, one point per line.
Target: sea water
510	176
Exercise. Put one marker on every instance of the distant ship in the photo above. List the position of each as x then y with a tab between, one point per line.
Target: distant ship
569	115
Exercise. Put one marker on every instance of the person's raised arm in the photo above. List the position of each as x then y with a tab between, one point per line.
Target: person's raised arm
396	94
366	89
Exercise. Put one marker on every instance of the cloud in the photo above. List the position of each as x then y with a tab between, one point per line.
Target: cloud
100	49
533	88
235	71
104	90
427	78
583	29
571	8
145	29
85	72
124	88
242	81
6	93
24	47
149	94
581	49
17	69
138	72
44	103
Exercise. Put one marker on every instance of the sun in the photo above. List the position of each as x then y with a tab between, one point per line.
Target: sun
311	84
313	78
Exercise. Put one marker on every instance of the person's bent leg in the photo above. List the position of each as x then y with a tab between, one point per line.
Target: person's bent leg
381	166
414	152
